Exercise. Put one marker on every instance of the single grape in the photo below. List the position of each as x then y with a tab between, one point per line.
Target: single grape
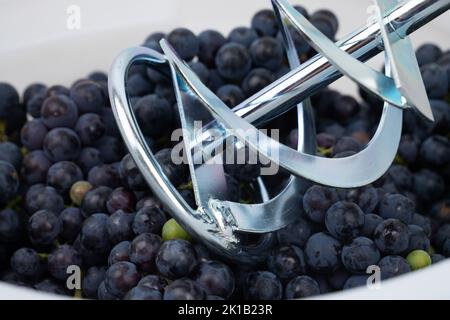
120	252
94	234
130	174
121	277
88	96
210	41
119	226
33	133
90	128
60	259
104	175
418	259
40	197
184	289
35	166
89	157
149	220
44	227
176	259
143	251
262	285
121	199
91	281
71	223
59	111
62	175
78	190
172	230
27	263
62	144
302	287
287	262
94	201
216	278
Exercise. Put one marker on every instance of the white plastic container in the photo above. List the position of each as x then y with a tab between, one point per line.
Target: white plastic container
40	42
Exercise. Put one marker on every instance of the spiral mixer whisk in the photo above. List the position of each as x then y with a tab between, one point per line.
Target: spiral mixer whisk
218	222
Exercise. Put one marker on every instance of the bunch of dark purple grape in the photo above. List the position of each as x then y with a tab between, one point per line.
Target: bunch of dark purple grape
72	196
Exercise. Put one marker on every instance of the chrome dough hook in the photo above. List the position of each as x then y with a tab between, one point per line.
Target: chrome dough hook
216	221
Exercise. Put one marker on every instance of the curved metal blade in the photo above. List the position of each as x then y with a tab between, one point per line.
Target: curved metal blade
373	81
404	66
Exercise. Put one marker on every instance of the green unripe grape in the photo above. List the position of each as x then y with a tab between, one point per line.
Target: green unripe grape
172	230
418	259
78	191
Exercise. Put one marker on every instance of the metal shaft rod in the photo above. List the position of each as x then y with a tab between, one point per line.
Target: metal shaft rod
285	93
318	73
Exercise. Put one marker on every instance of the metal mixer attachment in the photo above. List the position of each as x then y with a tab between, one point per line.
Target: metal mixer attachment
219	223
